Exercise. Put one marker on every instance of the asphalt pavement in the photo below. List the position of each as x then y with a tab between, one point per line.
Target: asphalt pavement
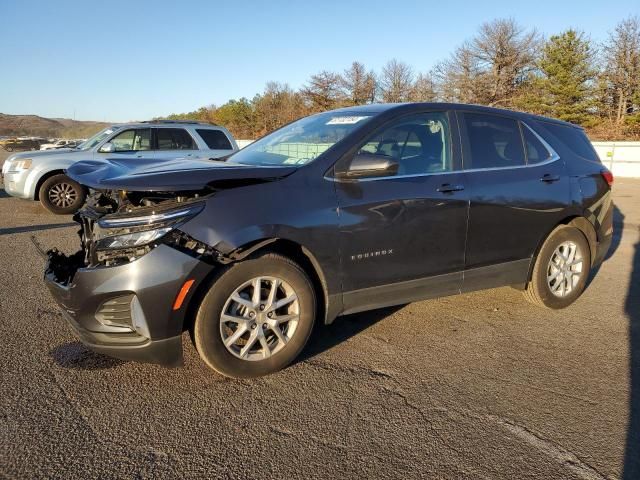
482	385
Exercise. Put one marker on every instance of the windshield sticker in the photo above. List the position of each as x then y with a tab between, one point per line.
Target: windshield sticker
345	120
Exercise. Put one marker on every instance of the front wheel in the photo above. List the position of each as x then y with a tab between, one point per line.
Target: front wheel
256	318
561	270
61	195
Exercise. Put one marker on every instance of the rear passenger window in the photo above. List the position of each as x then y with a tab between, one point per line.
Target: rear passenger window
536	151
215	139
575	140
174	139
494	141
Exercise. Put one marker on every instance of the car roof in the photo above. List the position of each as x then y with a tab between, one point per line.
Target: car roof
377	108
167	123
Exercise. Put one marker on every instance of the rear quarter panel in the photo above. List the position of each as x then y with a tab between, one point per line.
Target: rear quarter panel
590	192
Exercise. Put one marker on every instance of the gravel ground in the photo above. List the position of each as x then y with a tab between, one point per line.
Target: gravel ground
481	385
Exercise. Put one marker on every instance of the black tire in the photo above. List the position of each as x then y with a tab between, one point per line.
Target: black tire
9	149
207	329
539	291
51	192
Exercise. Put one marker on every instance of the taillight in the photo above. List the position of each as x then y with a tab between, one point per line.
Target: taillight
608	176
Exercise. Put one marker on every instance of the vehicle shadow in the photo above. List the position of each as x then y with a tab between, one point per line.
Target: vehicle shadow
77	356
618	229
325	337
631	469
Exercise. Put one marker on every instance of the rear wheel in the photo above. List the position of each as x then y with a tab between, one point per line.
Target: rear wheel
61	195
8	149
561	270
256	318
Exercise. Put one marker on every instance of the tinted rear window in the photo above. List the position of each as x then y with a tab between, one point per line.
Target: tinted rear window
494	141
215	139
575	140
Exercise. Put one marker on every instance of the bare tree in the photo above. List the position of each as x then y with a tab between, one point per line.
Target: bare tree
396	81
460	78
506	53
622	74
323	91
359	85
423	89
492	66
277	106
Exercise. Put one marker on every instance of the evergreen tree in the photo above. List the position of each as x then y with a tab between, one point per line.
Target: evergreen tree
566	88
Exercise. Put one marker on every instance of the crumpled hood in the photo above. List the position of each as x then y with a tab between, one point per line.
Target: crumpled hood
154	175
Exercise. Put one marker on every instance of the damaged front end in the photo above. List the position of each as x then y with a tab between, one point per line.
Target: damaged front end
119	291
118	227
127	291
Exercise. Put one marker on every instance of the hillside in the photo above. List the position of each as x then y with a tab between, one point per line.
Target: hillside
33	125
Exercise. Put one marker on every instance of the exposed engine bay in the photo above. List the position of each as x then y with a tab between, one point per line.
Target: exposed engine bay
143	219
107	202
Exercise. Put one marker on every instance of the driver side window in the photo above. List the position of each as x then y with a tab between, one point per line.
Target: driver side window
420	144
133	140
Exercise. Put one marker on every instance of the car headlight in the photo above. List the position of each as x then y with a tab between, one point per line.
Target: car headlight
20	164
115	232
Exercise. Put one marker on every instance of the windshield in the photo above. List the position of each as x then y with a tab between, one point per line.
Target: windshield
301	141
96	139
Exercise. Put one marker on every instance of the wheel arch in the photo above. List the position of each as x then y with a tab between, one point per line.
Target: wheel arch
582	224
287	248
43	178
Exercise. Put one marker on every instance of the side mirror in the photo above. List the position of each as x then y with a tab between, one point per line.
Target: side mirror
107	148
366	165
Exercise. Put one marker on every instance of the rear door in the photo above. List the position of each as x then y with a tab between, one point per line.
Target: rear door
518	192
170	143
402	236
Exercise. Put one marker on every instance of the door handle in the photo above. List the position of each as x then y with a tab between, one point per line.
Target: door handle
448	188
548	178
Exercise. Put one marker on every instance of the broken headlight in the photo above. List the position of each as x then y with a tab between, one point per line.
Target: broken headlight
116	232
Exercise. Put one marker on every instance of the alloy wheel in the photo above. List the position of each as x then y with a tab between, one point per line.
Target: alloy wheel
62	195
565	269
259	318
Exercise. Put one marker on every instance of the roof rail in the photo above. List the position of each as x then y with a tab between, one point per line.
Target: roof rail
187	122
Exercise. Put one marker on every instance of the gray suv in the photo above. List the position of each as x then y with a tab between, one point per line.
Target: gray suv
40	175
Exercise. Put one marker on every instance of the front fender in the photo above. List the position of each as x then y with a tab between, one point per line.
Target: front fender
302	213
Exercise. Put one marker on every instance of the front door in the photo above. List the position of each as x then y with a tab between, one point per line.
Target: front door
133	143
402	236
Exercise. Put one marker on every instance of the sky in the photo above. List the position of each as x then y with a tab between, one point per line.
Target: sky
116	60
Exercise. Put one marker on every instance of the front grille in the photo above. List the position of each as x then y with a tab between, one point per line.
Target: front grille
116	312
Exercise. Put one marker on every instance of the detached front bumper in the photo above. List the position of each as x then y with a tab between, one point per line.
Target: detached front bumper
126	311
